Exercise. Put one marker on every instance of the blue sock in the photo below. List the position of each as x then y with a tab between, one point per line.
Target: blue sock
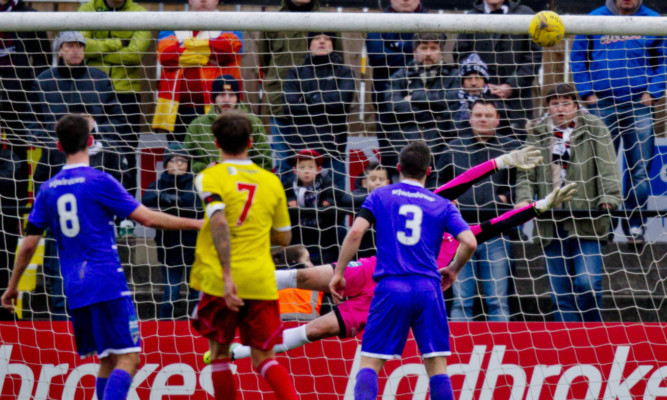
441	387
100	384
366	387
118	385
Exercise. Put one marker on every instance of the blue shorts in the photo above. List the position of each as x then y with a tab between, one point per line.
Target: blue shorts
401	303
105	328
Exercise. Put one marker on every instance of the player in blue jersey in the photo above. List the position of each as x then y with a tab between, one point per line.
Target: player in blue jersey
410	222
79	205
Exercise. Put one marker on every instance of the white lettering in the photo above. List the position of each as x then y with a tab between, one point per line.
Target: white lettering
653	388
589	372
22	370
497	368
65	182
413	195
540	373
139	378
48	372
616	386
75	376
421	388
470	370
187	388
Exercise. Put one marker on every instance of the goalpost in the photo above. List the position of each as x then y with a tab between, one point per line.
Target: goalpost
529	357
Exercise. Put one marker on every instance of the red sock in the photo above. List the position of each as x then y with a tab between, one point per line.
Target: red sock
276	375
224	386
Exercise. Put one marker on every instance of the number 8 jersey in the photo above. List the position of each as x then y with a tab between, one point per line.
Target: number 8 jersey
254	202
409	224
78	205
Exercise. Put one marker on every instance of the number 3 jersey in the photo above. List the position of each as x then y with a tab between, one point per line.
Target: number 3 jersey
409	223
79	205
253	201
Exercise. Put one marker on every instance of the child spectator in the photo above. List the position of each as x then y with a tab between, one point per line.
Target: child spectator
310	188
374	176
174	193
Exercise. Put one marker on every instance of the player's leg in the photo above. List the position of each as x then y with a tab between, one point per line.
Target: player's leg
320	328
315	278
366	386
261	329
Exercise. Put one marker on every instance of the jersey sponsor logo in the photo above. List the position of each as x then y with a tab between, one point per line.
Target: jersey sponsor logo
232	170
354	264
66	182
412	195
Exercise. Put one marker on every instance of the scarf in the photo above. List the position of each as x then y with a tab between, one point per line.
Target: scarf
465	102
561	152
307	196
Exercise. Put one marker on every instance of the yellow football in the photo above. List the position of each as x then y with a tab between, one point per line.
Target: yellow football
207	357
546	28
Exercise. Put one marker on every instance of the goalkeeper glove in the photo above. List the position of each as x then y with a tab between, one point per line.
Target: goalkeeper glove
525	158
558	196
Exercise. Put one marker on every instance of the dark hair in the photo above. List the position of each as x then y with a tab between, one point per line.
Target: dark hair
485	102
562	90
414	160
232	130
73	131
285	257
425	37
373	166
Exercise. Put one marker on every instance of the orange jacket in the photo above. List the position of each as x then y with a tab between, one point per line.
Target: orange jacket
299	304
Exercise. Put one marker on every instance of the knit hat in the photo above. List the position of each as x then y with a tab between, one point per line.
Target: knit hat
474	64
225	83
69	36
307	155
174	149
331	35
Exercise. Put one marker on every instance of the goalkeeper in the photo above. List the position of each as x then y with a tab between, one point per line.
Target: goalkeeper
349	318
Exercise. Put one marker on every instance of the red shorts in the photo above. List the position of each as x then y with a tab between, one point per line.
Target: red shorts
258	322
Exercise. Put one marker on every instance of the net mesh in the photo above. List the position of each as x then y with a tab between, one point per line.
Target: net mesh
355	106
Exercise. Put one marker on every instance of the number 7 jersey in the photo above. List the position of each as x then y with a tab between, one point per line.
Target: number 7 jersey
254	202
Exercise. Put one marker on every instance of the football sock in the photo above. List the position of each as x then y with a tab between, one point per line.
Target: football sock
286	279
100	384
278	378
366	387
441	387
118	385
224	386
292	338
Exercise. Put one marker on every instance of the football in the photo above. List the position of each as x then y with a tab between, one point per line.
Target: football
546	29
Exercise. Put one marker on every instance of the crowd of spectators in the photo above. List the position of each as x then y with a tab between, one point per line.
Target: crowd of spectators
472	110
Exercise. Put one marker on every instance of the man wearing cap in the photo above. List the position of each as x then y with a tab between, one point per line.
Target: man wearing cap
73	87
199	139
474	75
318	97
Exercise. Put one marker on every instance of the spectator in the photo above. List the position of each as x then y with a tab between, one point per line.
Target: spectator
13	173
620	78
103	156
23	55
279	52
310	188
73	87
174	193
512	60
491	261
418	99
388	53
318	97
581	151
190	61
119	55
474	75
199	140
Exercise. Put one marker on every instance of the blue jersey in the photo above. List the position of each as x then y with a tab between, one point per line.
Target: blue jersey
78	205
410	222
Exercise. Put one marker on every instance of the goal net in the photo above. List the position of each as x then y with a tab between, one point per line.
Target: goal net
568	305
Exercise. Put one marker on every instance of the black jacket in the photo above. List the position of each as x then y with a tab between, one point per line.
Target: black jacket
174	195
12	171
318	97
466	152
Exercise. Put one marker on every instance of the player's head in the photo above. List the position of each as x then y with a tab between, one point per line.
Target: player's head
562	104
428	48
307	164
73	133
295	256
232	131
414	160
375	176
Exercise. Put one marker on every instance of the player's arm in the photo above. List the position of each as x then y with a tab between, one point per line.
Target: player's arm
23	257
467	246
348	250
222	242
525	158
281	237
156	219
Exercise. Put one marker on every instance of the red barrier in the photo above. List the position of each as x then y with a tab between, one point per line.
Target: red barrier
490	360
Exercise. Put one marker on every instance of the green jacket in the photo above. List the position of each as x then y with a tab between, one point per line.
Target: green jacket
279	52
105	49
200	142
592	167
